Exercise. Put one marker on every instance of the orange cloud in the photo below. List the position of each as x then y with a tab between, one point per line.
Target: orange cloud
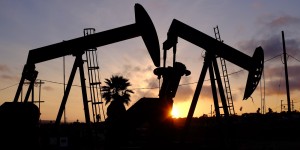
4	68
8	77
48	88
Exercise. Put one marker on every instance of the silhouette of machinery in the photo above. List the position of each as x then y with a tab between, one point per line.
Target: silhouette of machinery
155	111
215	48
77	47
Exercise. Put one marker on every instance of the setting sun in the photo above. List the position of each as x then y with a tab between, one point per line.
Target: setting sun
175	112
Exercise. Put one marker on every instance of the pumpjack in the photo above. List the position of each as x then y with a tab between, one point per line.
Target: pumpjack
154	111
76	47
213	49
11	111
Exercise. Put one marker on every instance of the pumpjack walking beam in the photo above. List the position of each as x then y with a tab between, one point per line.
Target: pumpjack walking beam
253	64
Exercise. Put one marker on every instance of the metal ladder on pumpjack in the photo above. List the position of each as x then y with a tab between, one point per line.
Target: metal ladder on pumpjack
225	77
94	80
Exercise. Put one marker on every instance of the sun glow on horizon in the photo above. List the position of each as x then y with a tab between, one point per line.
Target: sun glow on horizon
175	112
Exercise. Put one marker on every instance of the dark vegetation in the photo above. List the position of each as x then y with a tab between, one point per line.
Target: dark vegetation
272	131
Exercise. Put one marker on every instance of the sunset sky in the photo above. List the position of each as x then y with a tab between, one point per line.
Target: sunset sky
243	25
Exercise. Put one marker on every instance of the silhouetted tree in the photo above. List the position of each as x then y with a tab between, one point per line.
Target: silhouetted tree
258	110
117	95
270	110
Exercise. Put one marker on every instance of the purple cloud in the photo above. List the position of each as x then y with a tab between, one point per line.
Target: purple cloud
283	21
271	37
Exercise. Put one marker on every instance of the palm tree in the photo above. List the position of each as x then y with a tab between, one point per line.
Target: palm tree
116	94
